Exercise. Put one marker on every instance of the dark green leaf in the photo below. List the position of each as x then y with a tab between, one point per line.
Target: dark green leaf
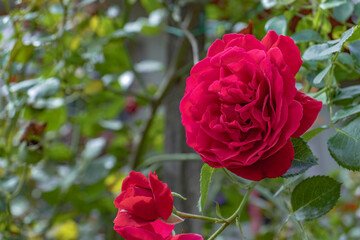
346	58
303	159
354	48
2	203
306	36
344	11
314	132
314	197
205	178
277	24
344	146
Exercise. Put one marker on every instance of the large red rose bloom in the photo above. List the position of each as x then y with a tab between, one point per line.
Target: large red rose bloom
241	106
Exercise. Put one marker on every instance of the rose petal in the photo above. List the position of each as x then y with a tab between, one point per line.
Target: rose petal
311	109
187	236
271	167
162	196
123	219
135	178
133	233
162	228
216	47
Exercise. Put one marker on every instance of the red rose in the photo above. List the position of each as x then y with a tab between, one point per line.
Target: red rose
241	106
157	230
142	201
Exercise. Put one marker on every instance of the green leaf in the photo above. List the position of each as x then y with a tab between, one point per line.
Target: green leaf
218	211
346	58
344	146
344	11
93	148
314	132
277	24
346	112
354	48
313	52
332	4
44	88
321	75
306	36
268	3
2	203
205	178
314	197
356	34
150	5
337	47
324	51
175	194
21	53
174	219
303	159
59	152
347	93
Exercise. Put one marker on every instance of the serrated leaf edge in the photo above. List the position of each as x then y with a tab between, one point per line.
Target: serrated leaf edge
338	197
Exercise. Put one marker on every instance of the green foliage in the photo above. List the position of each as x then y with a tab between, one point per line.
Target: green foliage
76	66
344	146
205	178
303	160
314	197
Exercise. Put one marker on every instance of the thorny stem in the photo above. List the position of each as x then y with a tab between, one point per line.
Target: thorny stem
235	214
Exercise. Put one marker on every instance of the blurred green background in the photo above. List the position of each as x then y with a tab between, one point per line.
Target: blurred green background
90	90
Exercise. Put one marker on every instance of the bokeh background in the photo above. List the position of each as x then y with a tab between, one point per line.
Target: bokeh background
90	89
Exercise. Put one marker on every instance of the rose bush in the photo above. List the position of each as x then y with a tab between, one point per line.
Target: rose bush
241	106
157	230
142	201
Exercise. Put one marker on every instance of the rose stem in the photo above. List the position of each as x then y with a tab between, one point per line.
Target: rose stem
236	213
199	217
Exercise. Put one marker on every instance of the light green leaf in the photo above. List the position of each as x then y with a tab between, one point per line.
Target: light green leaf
344	146
268	3
314	197
303	159
218	211
321	75
348	93
174	219
93	148
346	112
306	36
313	52
314	132
205	178
331	3
44	88
277	24
178	195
